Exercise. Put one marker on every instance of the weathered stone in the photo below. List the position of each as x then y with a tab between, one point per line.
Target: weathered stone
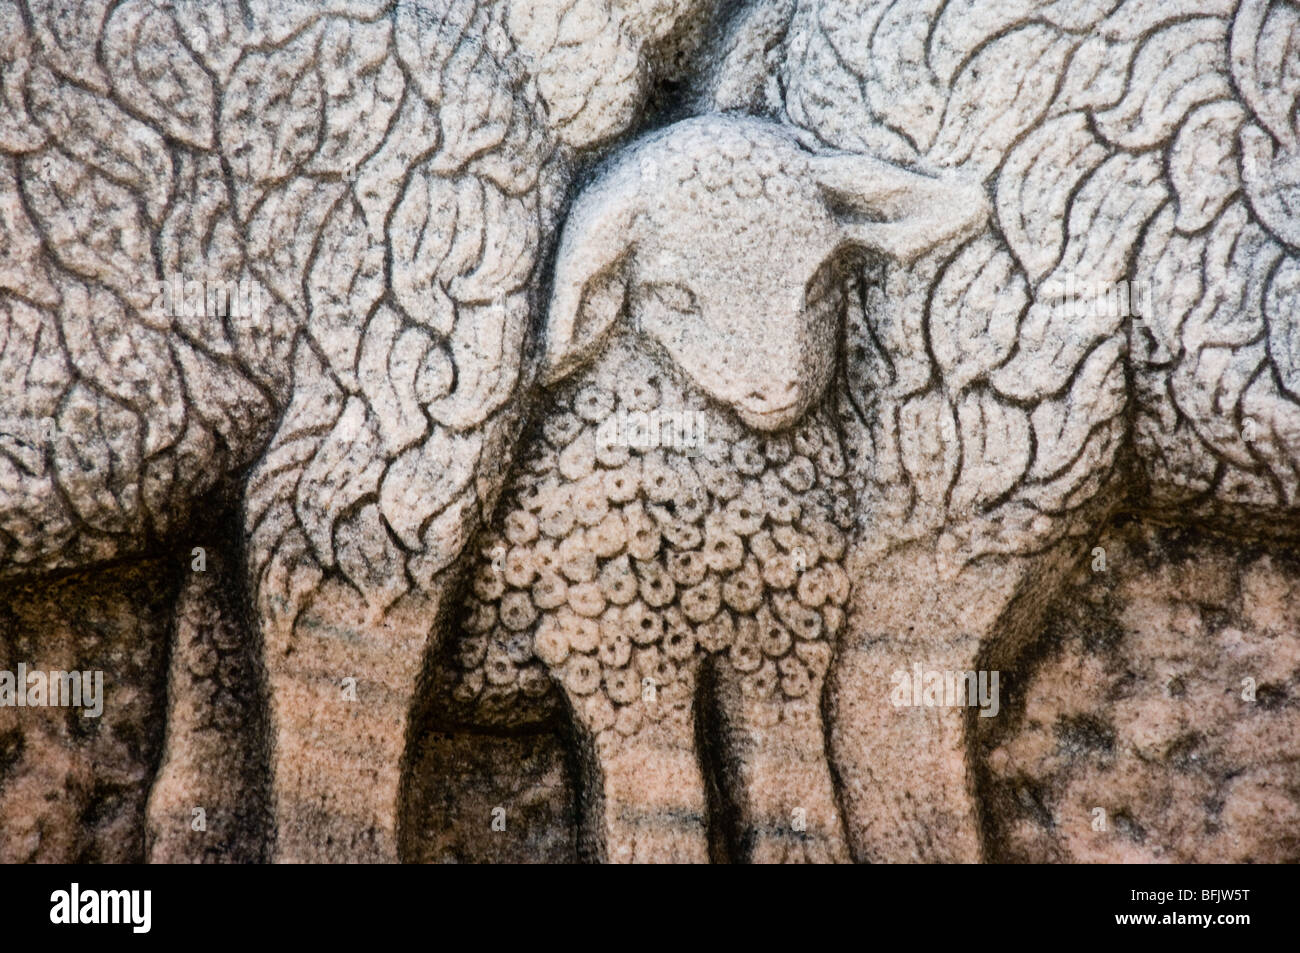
650	418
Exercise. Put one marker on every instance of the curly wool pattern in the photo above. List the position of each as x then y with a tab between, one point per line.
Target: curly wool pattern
616	568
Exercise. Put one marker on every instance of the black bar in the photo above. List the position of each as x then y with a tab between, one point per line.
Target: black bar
930	905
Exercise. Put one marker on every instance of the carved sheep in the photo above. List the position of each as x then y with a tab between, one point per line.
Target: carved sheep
696	276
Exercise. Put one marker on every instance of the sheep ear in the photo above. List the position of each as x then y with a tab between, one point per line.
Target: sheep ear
898	212
590	286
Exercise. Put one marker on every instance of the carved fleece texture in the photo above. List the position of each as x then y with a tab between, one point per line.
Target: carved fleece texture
1121	140
615	563
383	177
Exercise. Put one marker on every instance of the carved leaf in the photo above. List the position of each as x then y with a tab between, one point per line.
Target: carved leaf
1063	425
1281	306
1203	163
362	87
271	117
93	130
1035	186
975	312
1105	220
155	74
1183	66
345	284
995	449
978	128
18	131
94	227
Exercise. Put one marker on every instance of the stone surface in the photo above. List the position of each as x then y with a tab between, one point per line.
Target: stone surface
1163	693
483	798
550	429
73	788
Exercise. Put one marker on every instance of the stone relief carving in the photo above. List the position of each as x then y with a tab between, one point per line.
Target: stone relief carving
619	568
593	422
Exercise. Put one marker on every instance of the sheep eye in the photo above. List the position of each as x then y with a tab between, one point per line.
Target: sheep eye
671	296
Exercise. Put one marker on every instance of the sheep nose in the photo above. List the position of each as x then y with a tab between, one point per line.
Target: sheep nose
770	407
777	394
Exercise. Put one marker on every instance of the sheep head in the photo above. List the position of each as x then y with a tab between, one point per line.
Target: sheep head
715	235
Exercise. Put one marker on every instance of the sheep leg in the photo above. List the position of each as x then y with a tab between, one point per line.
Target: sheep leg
779	779
214	757
344	631
644	799
914	797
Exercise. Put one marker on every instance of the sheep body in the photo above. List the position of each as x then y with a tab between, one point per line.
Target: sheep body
613	572
699	272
